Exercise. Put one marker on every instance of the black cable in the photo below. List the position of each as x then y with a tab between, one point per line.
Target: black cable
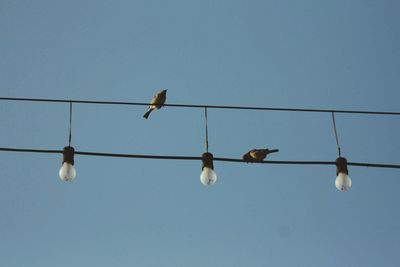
374	165
336	135
206	118
201	106
30	150
115	155
70	124
101	154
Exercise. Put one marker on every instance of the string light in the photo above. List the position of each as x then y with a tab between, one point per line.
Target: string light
67	172
208	176
343	181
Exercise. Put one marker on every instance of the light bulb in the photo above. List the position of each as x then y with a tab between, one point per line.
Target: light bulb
67	172
208	176
343	182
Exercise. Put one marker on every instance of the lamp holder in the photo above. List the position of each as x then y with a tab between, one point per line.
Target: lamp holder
208	159
341	165
68	154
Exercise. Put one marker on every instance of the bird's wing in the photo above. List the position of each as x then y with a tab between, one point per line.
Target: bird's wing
253	153
154	99
258	154
247	156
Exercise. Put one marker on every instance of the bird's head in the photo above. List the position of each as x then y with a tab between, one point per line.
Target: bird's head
164	91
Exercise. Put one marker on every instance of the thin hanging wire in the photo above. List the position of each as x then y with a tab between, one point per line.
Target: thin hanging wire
336	135
205	114
70	124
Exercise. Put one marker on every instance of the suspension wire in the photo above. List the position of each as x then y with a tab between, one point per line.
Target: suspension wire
206	120
70	124
336	135
200	106
115	155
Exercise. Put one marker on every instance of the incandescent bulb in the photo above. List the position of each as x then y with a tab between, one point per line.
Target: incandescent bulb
343	182
208	176
67	172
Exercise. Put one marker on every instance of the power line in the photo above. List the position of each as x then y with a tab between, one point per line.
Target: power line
186	158
201	106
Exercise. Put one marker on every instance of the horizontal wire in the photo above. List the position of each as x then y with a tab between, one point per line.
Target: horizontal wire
201	106
31	150
101	154
115	155
374	165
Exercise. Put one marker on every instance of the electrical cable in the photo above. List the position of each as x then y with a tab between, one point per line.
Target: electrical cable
278	162
336	135
70	124
332	111
201	106
206	120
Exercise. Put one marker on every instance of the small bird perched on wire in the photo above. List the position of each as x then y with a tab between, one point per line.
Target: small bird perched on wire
258	154
156	102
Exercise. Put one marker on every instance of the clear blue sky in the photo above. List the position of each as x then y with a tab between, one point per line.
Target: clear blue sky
134	212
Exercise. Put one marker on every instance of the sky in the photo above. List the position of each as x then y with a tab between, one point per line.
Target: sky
137	212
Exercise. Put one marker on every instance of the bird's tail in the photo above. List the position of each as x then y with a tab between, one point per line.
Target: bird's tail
146	115
273	151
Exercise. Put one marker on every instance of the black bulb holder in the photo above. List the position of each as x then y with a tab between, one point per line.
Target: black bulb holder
68	154
341	166
207	159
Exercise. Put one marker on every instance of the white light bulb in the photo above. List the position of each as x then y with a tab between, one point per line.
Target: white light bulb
343	182
67	172
208	176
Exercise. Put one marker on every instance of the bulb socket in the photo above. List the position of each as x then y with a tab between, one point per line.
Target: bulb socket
207	159
68	154
341	166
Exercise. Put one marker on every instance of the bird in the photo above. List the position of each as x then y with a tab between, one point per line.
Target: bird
258	154
156	102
